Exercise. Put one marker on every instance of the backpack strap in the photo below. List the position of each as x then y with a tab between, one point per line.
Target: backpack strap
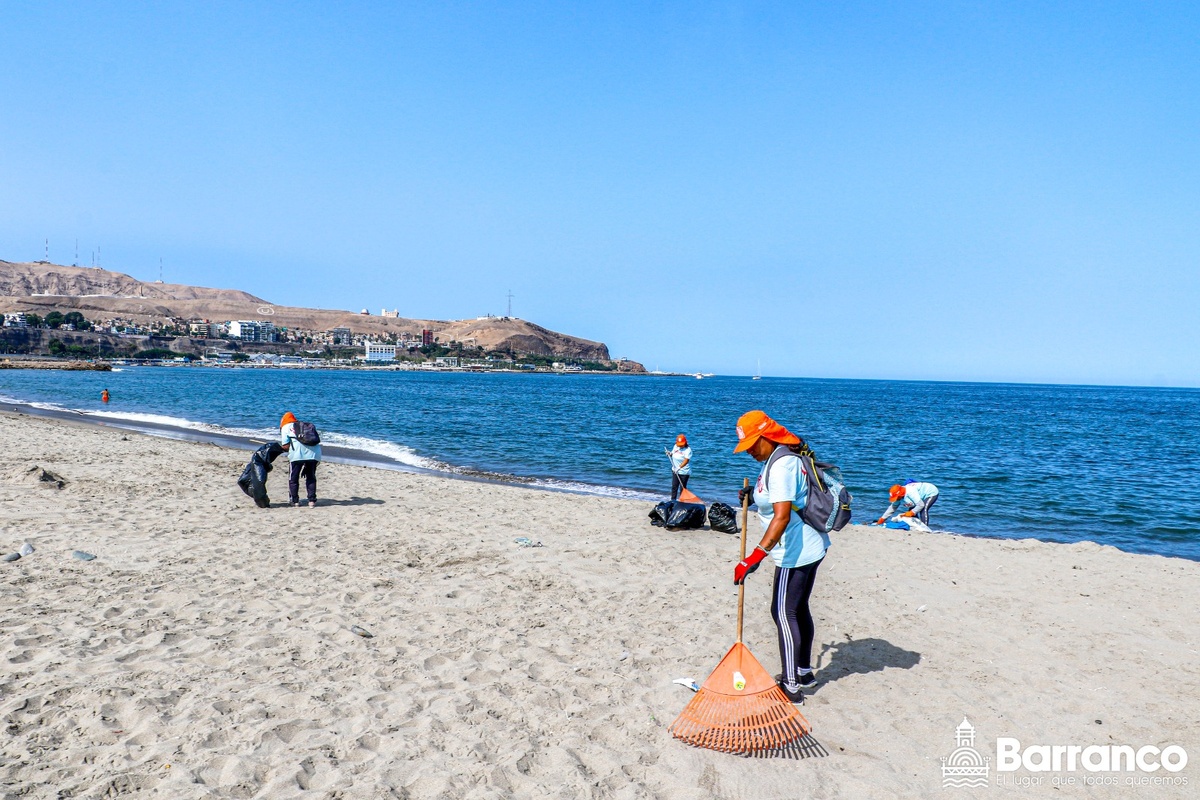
779	452
782	451
811	467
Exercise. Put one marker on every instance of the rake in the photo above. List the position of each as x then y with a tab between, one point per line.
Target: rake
740	709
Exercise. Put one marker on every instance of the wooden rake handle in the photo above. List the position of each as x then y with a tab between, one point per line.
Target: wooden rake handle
745	522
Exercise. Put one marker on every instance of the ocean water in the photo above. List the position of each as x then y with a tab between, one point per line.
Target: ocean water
1112	465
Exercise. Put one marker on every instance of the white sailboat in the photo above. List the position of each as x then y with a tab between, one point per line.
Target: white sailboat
758	374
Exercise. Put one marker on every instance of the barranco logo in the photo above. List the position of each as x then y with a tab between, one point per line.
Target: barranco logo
1074	765
1094	758
965	766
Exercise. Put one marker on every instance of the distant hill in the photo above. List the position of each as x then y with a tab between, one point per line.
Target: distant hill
42	278
41	287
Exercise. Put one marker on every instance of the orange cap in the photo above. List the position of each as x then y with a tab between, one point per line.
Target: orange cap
681	441
895	493
288	417
755	424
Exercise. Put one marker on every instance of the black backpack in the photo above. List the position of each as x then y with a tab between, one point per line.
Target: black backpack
306	433
828	506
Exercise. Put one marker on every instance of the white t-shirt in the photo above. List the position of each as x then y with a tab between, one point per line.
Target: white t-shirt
923	491
678	456
800	544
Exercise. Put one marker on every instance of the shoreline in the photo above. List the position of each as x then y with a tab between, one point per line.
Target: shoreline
364	458
47	362
209	648
332	453
12	361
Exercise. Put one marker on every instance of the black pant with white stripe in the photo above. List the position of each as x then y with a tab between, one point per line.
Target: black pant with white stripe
789	609
678	482
923	514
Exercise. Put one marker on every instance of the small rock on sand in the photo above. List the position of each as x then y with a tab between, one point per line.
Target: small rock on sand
33	475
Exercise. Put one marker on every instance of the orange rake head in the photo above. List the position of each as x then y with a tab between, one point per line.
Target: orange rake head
740	709
686	496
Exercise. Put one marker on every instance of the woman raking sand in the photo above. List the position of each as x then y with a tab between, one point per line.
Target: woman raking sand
796	548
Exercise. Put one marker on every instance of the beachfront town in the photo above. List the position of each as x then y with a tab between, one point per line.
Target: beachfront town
262	343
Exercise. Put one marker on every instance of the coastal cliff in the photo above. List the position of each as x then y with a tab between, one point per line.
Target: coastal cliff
41	288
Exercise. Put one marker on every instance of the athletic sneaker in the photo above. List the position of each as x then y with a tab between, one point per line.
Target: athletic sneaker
795	697
806	681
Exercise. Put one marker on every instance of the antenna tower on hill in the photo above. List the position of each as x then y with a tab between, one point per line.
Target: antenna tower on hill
510	297
47	250
160	269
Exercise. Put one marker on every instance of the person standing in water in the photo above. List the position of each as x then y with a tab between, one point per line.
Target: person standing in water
303	460
104	396
681	465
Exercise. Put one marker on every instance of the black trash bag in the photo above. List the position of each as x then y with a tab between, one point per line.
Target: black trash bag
658	517
722	518
685	515
254	476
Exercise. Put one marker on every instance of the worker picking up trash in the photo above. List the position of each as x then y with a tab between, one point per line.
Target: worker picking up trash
913	499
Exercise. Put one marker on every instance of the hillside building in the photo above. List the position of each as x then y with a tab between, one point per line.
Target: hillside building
379	352
252	330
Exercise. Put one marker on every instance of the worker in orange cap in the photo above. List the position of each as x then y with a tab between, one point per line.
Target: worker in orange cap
915	497
796	548
681	464
303	460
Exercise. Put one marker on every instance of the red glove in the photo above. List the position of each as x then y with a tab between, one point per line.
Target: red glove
744	568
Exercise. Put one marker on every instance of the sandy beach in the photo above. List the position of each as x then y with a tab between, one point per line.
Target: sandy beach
207	651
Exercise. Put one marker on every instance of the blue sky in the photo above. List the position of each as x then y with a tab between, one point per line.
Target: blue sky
958	191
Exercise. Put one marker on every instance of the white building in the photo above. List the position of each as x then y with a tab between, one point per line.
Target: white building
252	330
15	321
379	352
446	361
341	336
